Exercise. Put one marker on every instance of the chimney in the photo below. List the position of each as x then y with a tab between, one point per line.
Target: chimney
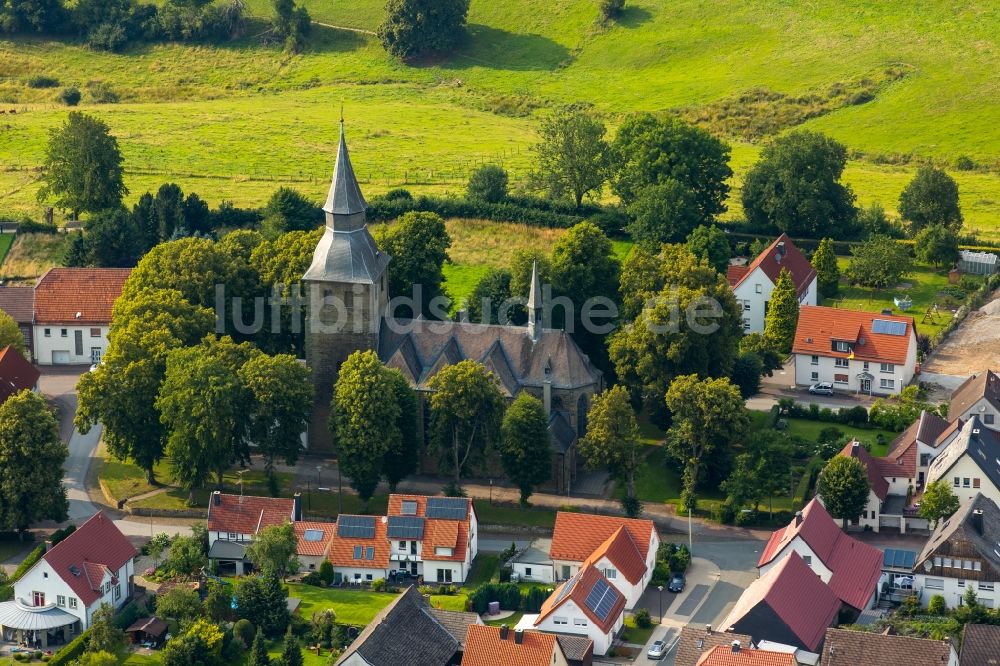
519	636
736	647
48	545
798	518
855	446
547	396
780	253
296	507
708	629
217	498
504	629
977	521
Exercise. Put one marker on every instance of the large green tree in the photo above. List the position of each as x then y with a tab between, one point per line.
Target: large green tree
466	414
288	210
111	239
755	343
492	292
666	212
824	261
83	166
936	244
104	635
291	24
418	244
32	16
612	441
572	155
10	333
931	198
710	242
192	266
31	463
878	263
524	445
412	28
795	187
938	502
263	600
401	459
281	397
488	183
782	313
843	486
274	548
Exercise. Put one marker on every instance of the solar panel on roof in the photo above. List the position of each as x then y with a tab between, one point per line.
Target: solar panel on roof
898	559
313	535
567	588
356	527
447	508
601	599
886	327
408	508
405	527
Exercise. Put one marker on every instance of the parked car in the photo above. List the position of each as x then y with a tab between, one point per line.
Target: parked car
657	650
677	582
821	388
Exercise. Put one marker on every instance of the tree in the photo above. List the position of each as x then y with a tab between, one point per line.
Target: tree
185	650
39	16
488	183
492	291
83	166
282	396
169	207
764	350
524	445
75	254
274	548
218	603
258	651
572	155
611	9
10	333
843	486
186	556
287	210
192	266
521	265
938	502
931	198
795	187
262	600
746	373
824	261
180	603
291	652
936	244
709	415
415	27
418	244
101	658
612	441
782	313
364	420
31	463
878	263
466	413
104	635
710	243
110	241
650	151
663	213
401	460
290	24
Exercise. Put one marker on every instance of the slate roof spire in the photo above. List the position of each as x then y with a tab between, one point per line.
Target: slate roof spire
345	200
535	304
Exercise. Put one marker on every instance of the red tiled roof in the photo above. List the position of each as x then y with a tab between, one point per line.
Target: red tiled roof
62	293
722	655
876	480
796	595
438	532
484	647
313	548
853	648
583	582
735	273
341	552
247	514
819	326
16	373
95	547
577	535
769	262
621	551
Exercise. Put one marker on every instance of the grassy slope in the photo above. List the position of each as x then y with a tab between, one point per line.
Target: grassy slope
187	117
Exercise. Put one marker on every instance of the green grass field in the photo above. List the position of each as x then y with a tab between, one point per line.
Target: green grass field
238	120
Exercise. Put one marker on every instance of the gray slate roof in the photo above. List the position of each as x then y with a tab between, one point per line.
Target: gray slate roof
850	648
226	550
347	256
980	645
345	196
561	433
18	302
456	623
982	445
961	525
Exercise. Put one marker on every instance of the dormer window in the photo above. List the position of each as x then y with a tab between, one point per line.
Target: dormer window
841	346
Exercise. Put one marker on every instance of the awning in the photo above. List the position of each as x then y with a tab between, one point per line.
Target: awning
226	550
16	615
866	375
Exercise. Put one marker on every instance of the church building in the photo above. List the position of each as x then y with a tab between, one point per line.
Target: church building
348	310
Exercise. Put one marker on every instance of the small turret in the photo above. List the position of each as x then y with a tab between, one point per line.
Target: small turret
535	305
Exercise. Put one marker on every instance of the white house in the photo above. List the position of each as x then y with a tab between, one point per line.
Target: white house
234	521
860	352
58	596
752	284
979	395
359	550
962	555
969	463
533	564
586	605
314	539
433	537
72	314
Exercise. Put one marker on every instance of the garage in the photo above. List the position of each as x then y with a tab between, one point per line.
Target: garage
60	357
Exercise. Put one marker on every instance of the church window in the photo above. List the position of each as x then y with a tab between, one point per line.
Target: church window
349	299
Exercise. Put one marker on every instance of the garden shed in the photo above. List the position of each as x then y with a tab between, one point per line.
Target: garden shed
977	263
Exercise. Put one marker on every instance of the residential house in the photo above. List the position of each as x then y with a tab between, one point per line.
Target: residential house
752	284
979	395
980	645
16	373
533	564
314	539
586	605
72	314
491	646
433	537
789	604
969	463
694	643
850	568
962	554
409	631
234	521
578	650
19	304
738	655
623	549
914	449
861	352
851	648
360	549
57	597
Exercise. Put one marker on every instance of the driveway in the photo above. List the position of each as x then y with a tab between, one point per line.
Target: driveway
782	385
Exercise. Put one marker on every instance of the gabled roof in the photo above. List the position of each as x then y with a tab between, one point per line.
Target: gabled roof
247	514
819	326
876	480
930	430
981	444
696	641
16	373
485	647
576	649
734	274
84	557
577	535
62	293
18	302
456	623
722	655
965	526
621	551
975	388
980	645
578	588
781	254
796	595
438	532
343	549
313	537
852	648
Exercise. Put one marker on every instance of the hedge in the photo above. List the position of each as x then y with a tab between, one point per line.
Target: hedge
37	553
72	651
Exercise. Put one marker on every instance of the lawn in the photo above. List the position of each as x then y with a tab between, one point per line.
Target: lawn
30	255
254	482
810	430
6	240
634	634
356	607
494	514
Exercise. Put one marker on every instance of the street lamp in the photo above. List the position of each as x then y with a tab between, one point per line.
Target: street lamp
660	588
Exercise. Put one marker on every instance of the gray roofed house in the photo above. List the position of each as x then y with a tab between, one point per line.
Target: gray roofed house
977	525
851	648
980	645
975	444
456	622
978	395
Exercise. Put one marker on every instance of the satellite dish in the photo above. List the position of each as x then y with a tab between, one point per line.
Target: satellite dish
928	565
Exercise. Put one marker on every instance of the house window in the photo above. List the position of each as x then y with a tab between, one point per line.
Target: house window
814	360
988	603
48	332
925	459
966	482
947	562
934	583
841	346
986	587
759	289
560	620
444	551
887	367
988	419
967	565
579	622
95	332
444	575
233	536
357	576
368	577
61	601
840	379
746	305
975	483
961	583
978	566
841	362
565	571
957	482
865	365
610	574
63	332
887	383
814	376
527	572
402	546
358	550
807	559
118	592
370	553
37	598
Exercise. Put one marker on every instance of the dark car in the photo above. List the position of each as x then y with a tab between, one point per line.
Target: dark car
676	583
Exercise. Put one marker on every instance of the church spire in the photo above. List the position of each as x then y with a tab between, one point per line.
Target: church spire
535	305
345	206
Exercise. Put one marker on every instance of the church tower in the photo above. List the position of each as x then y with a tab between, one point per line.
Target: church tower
345	290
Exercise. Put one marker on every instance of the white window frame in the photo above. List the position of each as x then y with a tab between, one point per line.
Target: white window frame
886	383
559	619
814	360
934	583
841	346
841	363
887	367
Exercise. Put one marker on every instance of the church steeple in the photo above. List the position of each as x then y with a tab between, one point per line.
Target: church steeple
535	305
345	205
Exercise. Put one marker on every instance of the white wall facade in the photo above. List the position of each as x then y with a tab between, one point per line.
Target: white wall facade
533	572
810	368
631	592
360	574
988	415
953	589
214	536
59	346
43	578
570	619
963	476
799	546
754	293
447	572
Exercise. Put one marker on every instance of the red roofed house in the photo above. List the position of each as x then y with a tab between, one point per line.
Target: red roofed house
851	569
752	284
16	373
73	313
57	597
18	302
433	537
737	654
359	550
234	520
861	352
788	604
623	549
493	646
314	539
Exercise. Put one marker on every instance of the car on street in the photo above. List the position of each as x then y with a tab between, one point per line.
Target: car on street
676	583
821	388
657	650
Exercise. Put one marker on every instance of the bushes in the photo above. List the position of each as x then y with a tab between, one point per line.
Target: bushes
642	619
245	631
326	572
532	599
488	183
70	96
508	594
378	585
69	654
315	579
42	81
936	605
101	92
856	416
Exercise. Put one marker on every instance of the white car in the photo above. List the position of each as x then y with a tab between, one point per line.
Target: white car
657	650
822	388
